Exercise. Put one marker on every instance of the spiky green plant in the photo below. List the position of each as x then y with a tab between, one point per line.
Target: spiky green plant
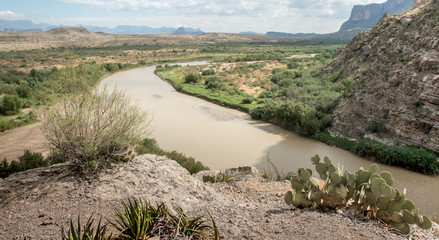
372	194
137	220
87	233
191	227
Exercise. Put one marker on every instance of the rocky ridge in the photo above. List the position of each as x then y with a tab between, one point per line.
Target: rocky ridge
365	16
36	203
395	68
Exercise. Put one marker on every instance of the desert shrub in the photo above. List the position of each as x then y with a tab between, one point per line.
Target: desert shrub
247	100
412	158
112	67
256	66
166	67
25	162
214	83
93	129
208	72
149	145
192	78
293	64
23	91
11	104
290	115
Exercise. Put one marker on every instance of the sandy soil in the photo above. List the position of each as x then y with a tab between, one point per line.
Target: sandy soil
14	142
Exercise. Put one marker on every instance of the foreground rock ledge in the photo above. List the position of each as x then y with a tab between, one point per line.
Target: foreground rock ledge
36	203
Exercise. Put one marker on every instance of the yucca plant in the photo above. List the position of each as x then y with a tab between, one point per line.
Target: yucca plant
138	220
88	233
194	228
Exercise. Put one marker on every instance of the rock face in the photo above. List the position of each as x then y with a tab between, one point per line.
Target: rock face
365	16
35	204
395	68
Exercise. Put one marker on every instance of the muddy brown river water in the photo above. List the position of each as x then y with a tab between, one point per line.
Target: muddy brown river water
222	138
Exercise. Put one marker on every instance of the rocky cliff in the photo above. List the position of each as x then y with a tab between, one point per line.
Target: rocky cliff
36	203
365	16
395	68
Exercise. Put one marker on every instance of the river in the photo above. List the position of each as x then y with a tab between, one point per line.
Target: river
223	138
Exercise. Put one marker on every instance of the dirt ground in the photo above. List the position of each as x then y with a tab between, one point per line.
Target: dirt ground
14	142
37	203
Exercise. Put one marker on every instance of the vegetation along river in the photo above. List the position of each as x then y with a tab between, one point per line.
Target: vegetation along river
222	138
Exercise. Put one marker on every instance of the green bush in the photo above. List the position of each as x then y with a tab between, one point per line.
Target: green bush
214	83
290	115
25	162
192	78
293	65
23	91
150	145
11	104
247	100
208	72
412	158
94	129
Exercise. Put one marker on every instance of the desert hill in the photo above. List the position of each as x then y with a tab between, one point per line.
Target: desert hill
365	16
395	67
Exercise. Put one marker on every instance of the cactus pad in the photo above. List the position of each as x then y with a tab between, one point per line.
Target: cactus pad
408	205
373	168
288	198
408	217
387	177
424	222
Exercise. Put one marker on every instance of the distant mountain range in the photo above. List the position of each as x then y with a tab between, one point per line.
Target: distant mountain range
24	26
290	35
366	16
29	26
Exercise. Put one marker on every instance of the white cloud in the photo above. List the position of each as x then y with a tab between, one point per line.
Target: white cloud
230	15
9	15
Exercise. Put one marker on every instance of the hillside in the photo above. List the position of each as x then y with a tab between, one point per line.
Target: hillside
395	66
365	16
36	203
81	37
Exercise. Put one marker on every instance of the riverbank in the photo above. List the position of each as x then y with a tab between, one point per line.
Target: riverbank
412	158
37	203
230	101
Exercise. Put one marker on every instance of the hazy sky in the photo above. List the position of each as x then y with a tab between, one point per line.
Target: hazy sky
320	16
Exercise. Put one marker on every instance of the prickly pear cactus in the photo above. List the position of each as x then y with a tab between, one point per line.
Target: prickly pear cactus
372	194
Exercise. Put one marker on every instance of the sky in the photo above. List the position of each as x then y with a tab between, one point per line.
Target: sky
233	16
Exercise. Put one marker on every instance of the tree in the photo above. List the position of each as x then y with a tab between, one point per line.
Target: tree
94	129
10	105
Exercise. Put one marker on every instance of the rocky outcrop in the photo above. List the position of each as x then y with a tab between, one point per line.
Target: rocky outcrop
365	16
36	203
395	68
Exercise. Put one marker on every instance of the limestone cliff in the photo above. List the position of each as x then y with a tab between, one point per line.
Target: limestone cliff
395	68
365	16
